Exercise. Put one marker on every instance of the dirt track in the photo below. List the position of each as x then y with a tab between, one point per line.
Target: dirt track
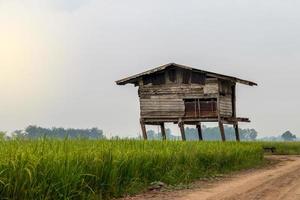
278	181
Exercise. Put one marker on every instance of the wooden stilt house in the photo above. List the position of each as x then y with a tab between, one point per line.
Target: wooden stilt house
179	94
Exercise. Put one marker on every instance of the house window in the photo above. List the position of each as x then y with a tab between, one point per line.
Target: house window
200	107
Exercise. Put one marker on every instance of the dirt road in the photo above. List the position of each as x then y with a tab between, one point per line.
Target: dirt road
277	182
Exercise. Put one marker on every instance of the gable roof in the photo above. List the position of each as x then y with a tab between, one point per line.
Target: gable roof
133	79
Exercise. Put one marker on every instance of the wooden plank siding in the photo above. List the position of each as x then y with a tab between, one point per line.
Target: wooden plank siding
178	89
225	98
226	105
165	106
167	101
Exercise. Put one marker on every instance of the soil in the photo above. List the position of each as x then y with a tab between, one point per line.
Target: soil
279	180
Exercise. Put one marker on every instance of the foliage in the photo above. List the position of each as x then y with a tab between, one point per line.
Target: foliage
152	135
288	136
209	133
101	169
213	133
35	132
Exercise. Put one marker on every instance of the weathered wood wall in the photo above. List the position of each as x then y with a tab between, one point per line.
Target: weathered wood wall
163	95
167	100
226	104
166	106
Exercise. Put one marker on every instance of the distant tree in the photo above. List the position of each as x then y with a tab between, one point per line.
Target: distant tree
191	133
34	132
209	133
248	134
288	136
213	133
18	134
152	135
170	136
253	134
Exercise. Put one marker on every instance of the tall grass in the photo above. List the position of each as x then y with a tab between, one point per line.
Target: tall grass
82	169
283	148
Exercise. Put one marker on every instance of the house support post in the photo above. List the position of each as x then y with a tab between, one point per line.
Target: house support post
181	126
237	134
163	131
199	131
143	126
221	126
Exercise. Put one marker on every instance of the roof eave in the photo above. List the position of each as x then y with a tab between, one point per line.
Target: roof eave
245	82
133	79
124	82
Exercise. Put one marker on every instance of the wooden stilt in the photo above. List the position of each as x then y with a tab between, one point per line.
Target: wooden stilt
181	126
143	126
222	130
237	134
235	125
199	131
163	131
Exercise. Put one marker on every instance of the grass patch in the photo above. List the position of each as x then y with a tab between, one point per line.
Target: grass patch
283	148
82	169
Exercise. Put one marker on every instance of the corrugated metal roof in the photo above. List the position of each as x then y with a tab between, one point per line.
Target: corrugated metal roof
133	79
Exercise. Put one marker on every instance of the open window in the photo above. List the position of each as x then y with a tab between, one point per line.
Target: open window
200	107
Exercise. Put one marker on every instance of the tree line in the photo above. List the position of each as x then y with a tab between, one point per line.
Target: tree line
36	132
208	133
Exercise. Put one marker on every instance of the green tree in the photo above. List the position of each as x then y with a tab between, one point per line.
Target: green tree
248	134
288	136
35	132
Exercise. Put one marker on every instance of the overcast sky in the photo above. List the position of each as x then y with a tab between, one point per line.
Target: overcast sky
59	58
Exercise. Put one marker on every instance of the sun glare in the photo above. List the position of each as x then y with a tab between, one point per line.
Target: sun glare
14	53
19	48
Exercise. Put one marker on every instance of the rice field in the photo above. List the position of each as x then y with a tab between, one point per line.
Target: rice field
283	148
83	169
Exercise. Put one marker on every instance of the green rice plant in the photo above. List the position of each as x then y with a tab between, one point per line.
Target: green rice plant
283	148
83	169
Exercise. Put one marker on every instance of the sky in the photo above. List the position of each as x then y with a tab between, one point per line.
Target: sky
59	59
